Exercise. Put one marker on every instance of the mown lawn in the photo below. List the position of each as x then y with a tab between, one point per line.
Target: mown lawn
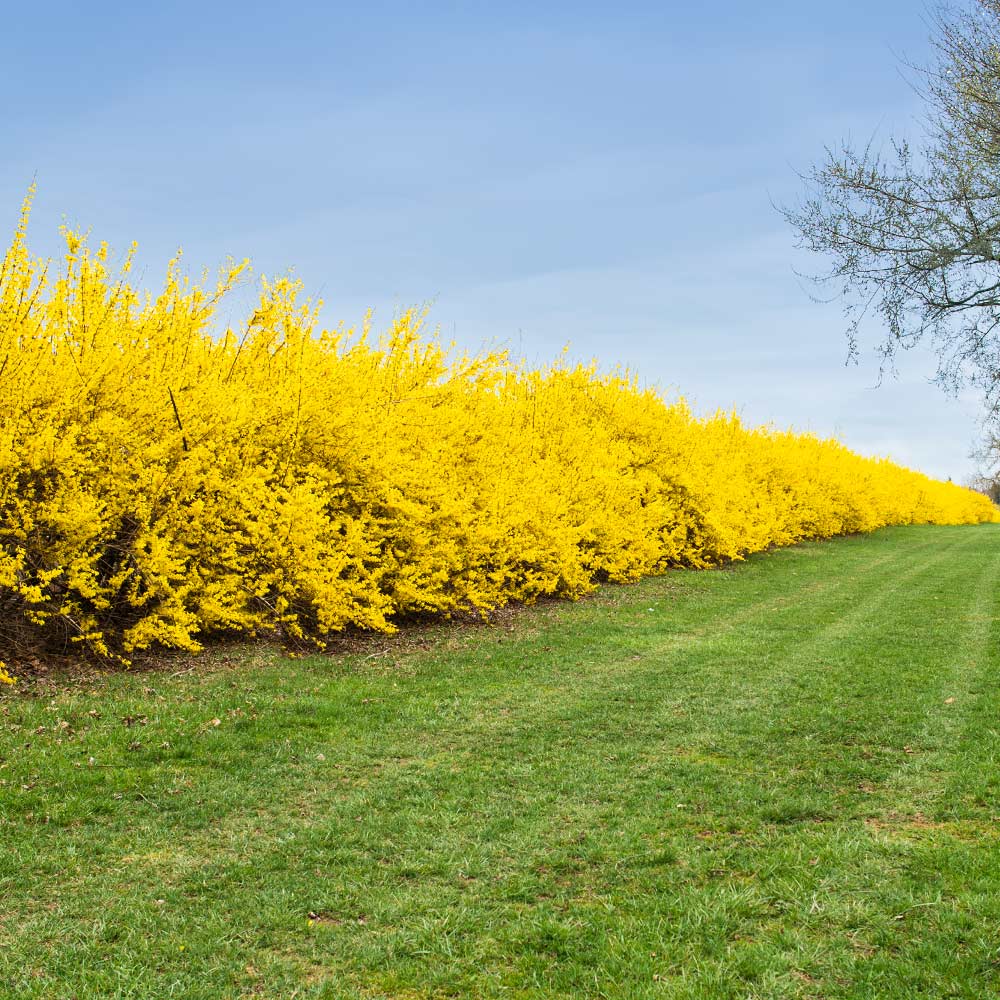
775	780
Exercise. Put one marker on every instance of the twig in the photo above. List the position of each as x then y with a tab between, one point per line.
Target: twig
177	417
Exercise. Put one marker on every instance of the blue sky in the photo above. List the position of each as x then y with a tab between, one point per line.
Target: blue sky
593	174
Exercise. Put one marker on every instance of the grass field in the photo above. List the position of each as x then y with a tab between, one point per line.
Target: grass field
775	780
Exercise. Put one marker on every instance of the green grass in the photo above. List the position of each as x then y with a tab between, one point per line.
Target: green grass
775	780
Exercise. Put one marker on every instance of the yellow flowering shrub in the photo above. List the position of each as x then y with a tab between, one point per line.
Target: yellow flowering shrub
163	481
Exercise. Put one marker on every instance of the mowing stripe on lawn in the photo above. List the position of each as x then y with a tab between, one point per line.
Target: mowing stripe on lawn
710	799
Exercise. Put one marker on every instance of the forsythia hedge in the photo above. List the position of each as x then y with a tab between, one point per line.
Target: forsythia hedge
162	482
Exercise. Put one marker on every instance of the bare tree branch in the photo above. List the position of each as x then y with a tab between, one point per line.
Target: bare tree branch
913	235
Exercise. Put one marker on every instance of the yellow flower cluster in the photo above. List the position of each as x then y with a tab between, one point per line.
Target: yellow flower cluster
163	480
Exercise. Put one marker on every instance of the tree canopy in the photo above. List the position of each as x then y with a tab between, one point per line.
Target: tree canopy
912	230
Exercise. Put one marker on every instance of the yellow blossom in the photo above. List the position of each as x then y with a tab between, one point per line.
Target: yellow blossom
164	480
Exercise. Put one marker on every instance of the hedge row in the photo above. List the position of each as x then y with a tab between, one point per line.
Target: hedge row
164	481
